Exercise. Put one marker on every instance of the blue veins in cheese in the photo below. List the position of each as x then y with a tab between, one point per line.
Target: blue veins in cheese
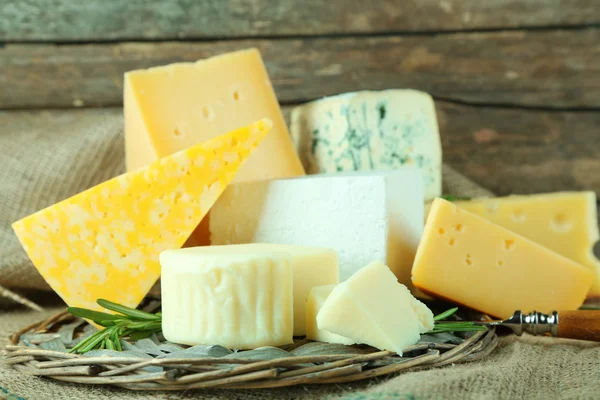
370	130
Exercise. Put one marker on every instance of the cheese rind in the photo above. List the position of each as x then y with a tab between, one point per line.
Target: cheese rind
370	130
565	222
238	299
173	107
105	242
362	216
471	261
371	307
315	301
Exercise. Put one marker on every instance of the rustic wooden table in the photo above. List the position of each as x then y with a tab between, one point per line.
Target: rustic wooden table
517	83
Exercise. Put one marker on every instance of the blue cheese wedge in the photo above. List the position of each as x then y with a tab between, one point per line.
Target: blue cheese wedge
370	130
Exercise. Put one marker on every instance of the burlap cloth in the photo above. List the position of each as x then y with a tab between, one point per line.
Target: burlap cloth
45	163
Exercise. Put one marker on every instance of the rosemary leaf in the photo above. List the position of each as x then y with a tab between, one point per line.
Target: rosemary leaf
117	340
109	344
130	312
455	198
140	335
97	316
445	314
97	340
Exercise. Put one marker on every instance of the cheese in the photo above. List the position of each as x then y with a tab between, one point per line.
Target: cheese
316	299
105	241
369	131
373	308
362	216
237	299
566	223
471	261
311	266
173	107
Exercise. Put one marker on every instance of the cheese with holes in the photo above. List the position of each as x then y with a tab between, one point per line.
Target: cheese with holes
237	298
370	130
105	242
564	222
362	216
472	261
316	299
170	108
373	308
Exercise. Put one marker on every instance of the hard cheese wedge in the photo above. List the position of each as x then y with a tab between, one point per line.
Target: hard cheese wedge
105	242
362	216
469	260
316	299
373	308
173	107
370	130
566	223
240	299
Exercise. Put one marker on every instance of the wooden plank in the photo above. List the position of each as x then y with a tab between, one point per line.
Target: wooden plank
505	150
99	20
522	151
545	69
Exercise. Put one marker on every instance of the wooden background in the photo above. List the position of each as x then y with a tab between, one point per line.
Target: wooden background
516	82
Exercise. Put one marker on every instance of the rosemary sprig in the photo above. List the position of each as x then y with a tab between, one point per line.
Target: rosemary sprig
129	322
453	326
455	198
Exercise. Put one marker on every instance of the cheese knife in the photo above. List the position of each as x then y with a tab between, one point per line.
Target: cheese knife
581	324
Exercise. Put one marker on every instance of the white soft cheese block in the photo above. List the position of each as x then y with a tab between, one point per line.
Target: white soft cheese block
370	130
240	300
316	299
362	216
373	308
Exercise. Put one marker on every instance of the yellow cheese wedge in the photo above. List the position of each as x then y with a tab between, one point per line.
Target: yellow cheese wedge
315	301
565	222
237	298
471	261
372	307
105	242
173	107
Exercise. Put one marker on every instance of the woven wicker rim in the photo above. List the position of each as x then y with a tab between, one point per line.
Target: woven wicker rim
236	373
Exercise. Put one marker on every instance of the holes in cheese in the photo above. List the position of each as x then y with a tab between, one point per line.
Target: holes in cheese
519	215
561	223
120	240
208	113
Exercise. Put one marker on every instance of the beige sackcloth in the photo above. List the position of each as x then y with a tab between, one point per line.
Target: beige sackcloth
44	163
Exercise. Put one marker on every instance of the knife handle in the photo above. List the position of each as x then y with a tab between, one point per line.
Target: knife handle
583	325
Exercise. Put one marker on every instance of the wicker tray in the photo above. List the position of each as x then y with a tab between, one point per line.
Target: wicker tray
154	364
